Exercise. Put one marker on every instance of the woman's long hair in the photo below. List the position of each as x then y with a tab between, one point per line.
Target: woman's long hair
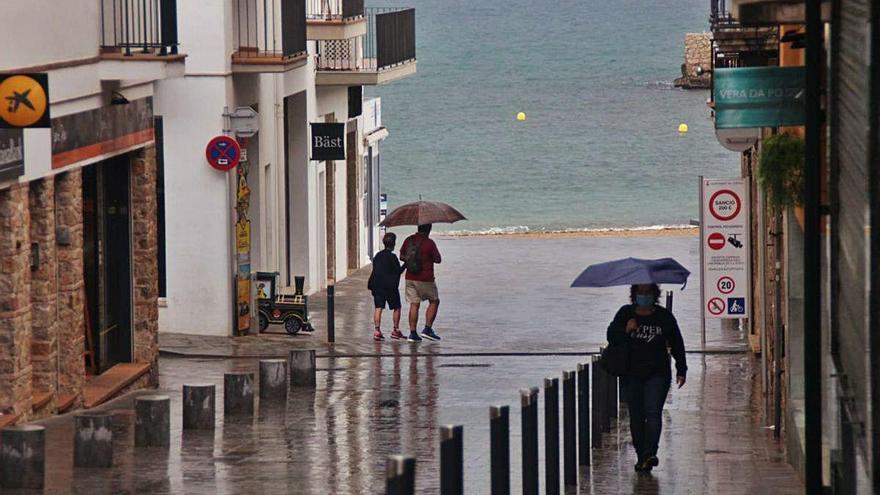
655	291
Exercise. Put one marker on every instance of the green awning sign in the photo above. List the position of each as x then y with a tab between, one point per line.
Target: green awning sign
758	97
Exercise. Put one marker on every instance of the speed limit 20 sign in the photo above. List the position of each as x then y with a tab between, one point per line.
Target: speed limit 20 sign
725	247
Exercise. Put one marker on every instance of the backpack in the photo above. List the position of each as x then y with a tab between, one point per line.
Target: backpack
412	258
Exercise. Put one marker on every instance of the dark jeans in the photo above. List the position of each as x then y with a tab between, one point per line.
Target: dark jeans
645	397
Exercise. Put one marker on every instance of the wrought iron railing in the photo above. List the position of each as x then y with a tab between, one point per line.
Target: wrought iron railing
334	10
269	28
390	41
149	26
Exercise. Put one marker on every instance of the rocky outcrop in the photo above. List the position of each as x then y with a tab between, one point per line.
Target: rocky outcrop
697	53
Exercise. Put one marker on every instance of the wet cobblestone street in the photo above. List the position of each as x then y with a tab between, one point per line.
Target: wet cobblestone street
335	439
377	399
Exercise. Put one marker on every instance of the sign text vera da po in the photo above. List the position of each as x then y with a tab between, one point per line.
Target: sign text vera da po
724	234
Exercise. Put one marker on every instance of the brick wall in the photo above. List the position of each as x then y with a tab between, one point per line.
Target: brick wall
145	268
44	289
15	306
71	297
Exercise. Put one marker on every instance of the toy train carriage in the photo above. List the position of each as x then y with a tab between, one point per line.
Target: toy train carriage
290	310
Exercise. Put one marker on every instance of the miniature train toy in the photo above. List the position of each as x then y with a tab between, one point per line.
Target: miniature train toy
290	310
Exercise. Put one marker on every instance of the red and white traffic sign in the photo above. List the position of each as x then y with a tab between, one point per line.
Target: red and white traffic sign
725	285
223	153
725	273
716	240
725	205
716	306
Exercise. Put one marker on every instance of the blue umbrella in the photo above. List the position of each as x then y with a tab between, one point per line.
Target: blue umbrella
630	271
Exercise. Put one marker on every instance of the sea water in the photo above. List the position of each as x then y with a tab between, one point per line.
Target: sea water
600	146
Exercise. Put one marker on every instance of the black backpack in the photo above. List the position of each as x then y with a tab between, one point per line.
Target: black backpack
412	258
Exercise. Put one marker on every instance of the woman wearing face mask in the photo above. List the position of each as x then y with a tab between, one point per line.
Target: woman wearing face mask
650	332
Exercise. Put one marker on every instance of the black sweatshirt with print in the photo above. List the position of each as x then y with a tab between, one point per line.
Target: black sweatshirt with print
649	343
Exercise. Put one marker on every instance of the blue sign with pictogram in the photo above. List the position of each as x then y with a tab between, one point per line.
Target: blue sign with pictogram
736	305
223	153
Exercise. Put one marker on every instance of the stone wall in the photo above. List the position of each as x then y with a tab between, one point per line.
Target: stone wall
44	289
15	305
145	267
697	53
71	286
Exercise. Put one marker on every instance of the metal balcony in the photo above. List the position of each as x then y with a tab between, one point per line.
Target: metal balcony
386	52
270	35
335	19
139	27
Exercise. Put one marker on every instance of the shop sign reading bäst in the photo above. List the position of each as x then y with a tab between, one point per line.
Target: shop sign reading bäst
328	141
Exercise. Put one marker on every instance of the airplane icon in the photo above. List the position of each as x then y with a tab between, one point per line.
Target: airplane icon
17	99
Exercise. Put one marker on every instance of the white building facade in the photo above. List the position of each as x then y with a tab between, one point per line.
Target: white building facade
295	62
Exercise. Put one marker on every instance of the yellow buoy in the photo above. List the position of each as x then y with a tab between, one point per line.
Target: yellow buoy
682	128
521	116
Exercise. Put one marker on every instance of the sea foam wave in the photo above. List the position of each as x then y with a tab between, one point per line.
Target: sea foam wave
522	229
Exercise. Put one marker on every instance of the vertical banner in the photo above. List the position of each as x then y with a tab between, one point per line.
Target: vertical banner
243	246
724	237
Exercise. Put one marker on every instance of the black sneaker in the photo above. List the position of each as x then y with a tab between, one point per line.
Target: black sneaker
652	461
429	334
414	337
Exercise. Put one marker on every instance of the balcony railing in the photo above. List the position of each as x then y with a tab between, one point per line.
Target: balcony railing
147	26
269	28
334	10
390	41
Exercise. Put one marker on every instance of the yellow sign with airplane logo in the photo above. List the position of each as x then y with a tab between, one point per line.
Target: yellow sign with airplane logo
24	101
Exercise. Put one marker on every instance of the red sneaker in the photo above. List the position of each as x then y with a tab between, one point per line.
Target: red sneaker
396	335
377	335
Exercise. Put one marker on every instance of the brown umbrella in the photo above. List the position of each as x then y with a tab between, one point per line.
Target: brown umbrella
421	213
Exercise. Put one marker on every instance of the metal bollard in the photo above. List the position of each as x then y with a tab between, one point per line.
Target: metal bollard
451	460
273	379
605	411
302	368
331	314
199	401
596	423
551	435
583	413
93	441
238	394
23	456
499	440
400	475
529	404
612	396
669	300
569	437
152	424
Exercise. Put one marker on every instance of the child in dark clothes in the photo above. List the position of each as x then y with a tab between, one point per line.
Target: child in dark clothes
384	283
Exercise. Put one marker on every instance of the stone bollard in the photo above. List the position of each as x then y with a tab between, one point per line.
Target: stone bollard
198	406
22	456
93	441
238	393
152	423
273	379
302	368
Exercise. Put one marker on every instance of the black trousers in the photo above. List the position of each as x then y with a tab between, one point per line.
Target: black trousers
645	398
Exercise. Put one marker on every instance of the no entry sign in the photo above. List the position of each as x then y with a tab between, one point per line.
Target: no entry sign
716	240
725	248
223	153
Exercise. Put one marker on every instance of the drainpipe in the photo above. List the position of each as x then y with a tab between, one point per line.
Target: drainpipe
812	251
779	341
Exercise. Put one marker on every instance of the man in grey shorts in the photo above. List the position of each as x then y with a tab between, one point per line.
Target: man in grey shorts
419	254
